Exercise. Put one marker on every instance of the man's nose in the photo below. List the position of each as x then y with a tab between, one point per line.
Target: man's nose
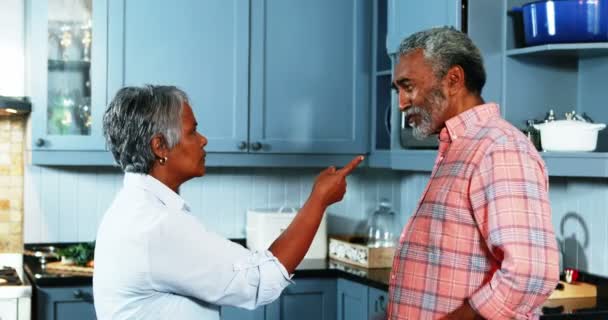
204	140
404	101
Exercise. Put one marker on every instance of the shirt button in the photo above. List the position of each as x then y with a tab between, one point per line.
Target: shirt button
392	276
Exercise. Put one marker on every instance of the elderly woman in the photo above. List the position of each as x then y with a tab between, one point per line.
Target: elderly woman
153	259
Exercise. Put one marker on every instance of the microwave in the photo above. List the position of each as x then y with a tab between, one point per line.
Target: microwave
408	141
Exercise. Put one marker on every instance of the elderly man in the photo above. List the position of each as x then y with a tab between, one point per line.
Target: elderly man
480	243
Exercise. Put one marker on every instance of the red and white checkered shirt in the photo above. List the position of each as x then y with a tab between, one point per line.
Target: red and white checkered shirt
482	231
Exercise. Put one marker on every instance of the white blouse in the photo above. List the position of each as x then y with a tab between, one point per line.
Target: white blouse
154	260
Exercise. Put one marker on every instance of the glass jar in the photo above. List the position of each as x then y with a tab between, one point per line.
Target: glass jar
381	226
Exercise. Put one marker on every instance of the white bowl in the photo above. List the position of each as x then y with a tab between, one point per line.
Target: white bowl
569	135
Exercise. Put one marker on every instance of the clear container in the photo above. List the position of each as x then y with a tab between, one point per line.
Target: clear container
381	226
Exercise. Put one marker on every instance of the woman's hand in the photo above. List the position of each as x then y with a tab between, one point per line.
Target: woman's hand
330	184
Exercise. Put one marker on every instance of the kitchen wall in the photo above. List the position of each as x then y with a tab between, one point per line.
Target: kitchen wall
66	204
11	127
579	205
12	44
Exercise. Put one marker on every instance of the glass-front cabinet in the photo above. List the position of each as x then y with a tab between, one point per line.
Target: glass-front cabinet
67	74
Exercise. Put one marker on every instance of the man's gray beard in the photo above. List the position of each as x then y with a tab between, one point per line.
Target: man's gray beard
421	130
424	128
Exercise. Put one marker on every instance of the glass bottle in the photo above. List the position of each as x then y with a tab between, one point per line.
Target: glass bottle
381	226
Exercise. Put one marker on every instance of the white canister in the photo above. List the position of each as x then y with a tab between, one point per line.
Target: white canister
569	135
265	225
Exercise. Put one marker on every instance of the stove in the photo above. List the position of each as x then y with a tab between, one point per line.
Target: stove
9	277
15	289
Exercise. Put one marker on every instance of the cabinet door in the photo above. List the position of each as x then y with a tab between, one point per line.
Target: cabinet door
352	300
306	299
201	47
234	313
67	72
407	17
378	301
310	76
65	303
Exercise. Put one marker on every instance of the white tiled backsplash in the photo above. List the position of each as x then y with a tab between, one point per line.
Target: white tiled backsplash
12	131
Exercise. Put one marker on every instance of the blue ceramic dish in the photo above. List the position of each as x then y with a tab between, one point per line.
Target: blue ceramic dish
565	21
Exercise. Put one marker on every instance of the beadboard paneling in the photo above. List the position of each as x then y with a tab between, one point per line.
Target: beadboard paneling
66	204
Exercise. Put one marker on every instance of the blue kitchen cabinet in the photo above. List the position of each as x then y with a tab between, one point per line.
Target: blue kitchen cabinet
64	303
272	84
407	17
234	313
377	303
352	300
201	47
306	299
67	71
310	76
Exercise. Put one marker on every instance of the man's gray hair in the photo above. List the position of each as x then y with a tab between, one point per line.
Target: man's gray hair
135	116
445	47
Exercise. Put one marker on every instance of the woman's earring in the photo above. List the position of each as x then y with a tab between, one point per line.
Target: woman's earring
162	160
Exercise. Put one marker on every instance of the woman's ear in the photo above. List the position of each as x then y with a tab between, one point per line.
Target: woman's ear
159	146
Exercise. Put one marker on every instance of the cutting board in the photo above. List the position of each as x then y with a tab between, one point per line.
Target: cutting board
575	290
62	267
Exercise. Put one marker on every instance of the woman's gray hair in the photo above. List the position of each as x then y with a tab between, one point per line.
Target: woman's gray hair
445	47
135	116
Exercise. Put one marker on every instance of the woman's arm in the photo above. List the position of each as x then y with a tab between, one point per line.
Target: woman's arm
291	246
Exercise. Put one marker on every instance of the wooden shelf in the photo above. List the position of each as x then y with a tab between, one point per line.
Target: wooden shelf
560	164
576	164
563	49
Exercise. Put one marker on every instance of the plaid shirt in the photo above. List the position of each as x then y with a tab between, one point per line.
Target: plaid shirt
482	231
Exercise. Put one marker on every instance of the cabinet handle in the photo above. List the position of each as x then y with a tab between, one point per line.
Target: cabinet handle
380	305
242	145
84	296
39	142
256	146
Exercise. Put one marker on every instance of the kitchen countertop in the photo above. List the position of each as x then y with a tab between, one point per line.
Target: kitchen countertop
575	308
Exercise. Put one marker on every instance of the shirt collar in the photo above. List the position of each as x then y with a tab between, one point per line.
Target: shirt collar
167	196
458	125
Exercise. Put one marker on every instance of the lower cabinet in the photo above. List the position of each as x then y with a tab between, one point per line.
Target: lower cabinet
65	303
304	300
352	300
378	301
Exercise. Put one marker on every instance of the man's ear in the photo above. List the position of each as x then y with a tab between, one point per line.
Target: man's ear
159	146
455	79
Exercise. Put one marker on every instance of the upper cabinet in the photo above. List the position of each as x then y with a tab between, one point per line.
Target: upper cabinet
269	80
66	47
407	17
310	76
264	77
202	47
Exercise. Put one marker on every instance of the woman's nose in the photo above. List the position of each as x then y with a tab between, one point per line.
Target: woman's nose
204	140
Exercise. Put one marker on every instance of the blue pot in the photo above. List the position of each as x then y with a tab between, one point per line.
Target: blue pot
565	21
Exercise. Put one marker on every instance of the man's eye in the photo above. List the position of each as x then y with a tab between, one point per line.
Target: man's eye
394	88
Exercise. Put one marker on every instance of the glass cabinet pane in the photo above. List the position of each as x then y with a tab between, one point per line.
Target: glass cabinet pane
69	67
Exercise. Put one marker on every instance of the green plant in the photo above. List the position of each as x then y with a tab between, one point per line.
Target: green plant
79	253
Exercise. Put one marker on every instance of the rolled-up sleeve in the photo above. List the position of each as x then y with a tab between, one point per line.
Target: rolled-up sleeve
509	197
187	259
